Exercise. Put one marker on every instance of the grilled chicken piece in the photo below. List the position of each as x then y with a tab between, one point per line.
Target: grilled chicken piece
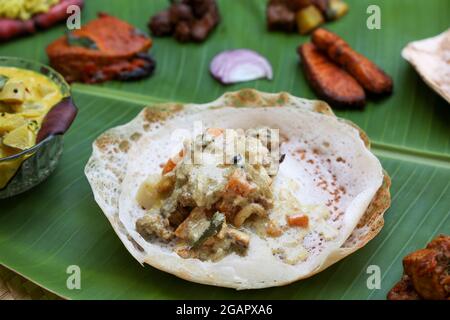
330	82
426	273
12	28
105	49
372	78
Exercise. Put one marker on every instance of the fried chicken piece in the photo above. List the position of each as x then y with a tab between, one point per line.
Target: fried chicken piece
281	14
427	272
429	269
292	5
403	290
187	20
279	17
116	50
161	25
322	5
369	75
331	83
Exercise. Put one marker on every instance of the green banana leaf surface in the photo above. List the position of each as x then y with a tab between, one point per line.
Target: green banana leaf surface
58	224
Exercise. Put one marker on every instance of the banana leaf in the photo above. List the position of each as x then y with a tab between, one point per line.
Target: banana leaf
58	224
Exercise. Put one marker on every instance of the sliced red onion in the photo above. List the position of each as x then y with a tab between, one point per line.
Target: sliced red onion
240	65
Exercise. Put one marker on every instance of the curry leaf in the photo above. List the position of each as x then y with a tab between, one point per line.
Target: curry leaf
214	228
3	80
139	32
77	41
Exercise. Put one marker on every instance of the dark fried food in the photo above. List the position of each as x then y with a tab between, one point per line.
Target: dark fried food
104	49
12	28
322	5
279	17
403	290
302	15
372	78
161	25
296	5
330	82
187	20
281	14
427	273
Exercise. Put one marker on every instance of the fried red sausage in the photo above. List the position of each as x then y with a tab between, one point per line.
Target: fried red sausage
369	75
56	14
12	28
331	83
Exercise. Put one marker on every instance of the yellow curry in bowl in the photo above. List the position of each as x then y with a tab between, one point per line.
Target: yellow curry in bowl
25	99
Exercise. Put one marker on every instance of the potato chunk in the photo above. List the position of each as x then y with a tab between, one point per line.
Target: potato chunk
308	19
23	137
13	92
8	122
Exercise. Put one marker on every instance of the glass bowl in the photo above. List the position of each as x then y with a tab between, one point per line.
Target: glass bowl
28	168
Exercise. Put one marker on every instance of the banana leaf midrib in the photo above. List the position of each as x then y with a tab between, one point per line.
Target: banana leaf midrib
139	101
